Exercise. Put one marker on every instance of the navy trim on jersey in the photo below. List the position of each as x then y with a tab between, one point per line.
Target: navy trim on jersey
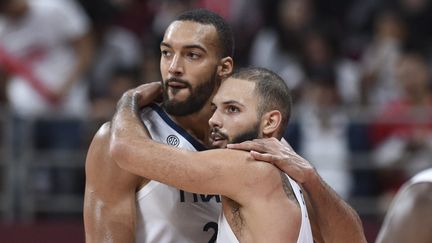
198	146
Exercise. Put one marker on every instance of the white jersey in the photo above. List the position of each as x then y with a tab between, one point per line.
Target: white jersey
226	235
166	214
41	41
423	176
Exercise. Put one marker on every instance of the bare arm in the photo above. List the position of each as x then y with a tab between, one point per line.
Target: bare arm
227	172
109	201
409	219
210	172
337	221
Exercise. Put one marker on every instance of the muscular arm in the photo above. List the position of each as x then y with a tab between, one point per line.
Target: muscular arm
336	220
218	171
109	201
410	216
206	172
227	172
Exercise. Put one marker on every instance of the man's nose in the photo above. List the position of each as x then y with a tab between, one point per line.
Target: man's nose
215	120
176	67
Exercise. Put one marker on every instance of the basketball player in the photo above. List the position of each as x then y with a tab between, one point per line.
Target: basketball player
260	204
409	218
122	207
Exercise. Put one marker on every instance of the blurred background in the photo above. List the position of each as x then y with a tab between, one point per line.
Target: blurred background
360	72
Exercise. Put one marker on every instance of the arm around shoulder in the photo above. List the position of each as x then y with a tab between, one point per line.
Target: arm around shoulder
337	221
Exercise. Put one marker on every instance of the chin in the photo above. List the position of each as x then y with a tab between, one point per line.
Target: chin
218	145
175	98
182	94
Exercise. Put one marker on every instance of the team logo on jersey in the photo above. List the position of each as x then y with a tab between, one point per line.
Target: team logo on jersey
173	140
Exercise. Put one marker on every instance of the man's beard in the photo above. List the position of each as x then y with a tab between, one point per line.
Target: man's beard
249	134
196	100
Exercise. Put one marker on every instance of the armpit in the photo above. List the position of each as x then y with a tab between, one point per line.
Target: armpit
288	188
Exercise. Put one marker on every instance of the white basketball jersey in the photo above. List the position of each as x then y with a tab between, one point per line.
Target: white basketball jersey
226	235
166	214
423	176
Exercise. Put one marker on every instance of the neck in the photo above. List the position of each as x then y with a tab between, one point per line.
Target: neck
196	124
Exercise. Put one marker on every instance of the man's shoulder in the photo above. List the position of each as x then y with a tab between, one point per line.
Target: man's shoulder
100	165
102	133
100	141
105	128
259	177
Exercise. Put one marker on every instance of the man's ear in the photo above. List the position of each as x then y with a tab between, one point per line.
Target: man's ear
225	67
271	122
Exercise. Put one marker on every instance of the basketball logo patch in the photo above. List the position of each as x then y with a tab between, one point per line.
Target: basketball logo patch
173	140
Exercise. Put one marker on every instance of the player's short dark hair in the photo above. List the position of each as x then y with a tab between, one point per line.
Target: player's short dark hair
223	29
272	92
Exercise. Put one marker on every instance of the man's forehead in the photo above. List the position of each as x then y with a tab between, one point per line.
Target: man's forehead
239	90
190	31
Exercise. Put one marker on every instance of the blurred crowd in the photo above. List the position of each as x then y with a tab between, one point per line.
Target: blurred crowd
359	70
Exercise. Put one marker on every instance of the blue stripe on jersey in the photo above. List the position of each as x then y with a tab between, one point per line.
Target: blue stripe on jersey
198	146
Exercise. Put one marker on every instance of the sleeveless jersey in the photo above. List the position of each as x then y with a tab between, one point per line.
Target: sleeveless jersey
166	214
423	176
226	235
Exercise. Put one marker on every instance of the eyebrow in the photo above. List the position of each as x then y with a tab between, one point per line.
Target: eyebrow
192	46
232	102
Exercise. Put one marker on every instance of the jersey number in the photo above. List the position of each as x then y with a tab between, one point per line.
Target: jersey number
214	226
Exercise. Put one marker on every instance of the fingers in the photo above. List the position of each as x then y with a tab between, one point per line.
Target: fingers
149	88
290	167
263	157
148	92
247	146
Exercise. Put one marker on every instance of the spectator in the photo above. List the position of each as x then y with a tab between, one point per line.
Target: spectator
402	131
321	54
378	85
417	16
278	47
117	47
323	131
46	50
